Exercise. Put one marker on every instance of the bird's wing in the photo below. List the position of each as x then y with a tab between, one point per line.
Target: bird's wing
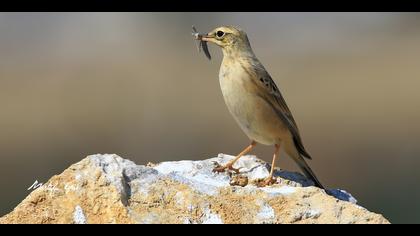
273	96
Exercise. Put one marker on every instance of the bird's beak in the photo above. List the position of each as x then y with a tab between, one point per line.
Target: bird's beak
207	38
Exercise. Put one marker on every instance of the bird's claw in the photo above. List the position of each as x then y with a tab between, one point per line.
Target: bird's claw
219	168
266	182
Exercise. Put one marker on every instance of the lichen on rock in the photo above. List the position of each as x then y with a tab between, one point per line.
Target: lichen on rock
109	189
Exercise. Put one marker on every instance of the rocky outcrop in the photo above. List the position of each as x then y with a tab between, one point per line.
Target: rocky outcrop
109	189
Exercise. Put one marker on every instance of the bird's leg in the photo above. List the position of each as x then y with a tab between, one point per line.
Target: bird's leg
270	180
229	165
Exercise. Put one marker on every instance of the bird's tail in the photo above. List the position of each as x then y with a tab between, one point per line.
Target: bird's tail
300	161
307	171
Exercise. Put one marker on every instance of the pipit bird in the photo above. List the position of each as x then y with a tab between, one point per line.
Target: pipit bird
255	101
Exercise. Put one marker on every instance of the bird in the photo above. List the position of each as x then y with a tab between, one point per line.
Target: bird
255	102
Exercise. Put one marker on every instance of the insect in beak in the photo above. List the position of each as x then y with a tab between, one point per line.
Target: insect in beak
201	43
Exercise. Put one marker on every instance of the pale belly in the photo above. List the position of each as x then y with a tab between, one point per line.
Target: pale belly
254	115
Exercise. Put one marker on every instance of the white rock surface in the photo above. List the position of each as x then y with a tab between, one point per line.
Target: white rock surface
109	189
79	216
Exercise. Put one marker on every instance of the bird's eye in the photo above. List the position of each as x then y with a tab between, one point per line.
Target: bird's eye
220	34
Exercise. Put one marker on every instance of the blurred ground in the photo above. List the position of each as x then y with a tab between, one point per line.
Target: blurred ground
73	84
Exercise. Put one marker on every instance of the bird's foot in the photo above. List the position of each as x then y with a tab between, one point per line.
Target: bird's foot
266	182
219	168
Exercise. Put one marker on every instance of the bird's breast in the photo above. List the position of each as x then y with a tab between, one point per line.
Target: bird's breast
253	114
232	83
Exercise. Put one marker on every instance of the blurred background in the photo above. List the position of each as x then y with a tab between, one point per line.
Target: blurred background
74	84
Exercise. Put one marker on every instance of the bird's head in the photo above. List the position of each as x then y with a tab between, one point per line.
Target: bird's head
229	38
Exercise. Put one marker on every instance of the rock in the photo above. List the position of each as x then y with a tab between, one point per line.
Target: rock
109	189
